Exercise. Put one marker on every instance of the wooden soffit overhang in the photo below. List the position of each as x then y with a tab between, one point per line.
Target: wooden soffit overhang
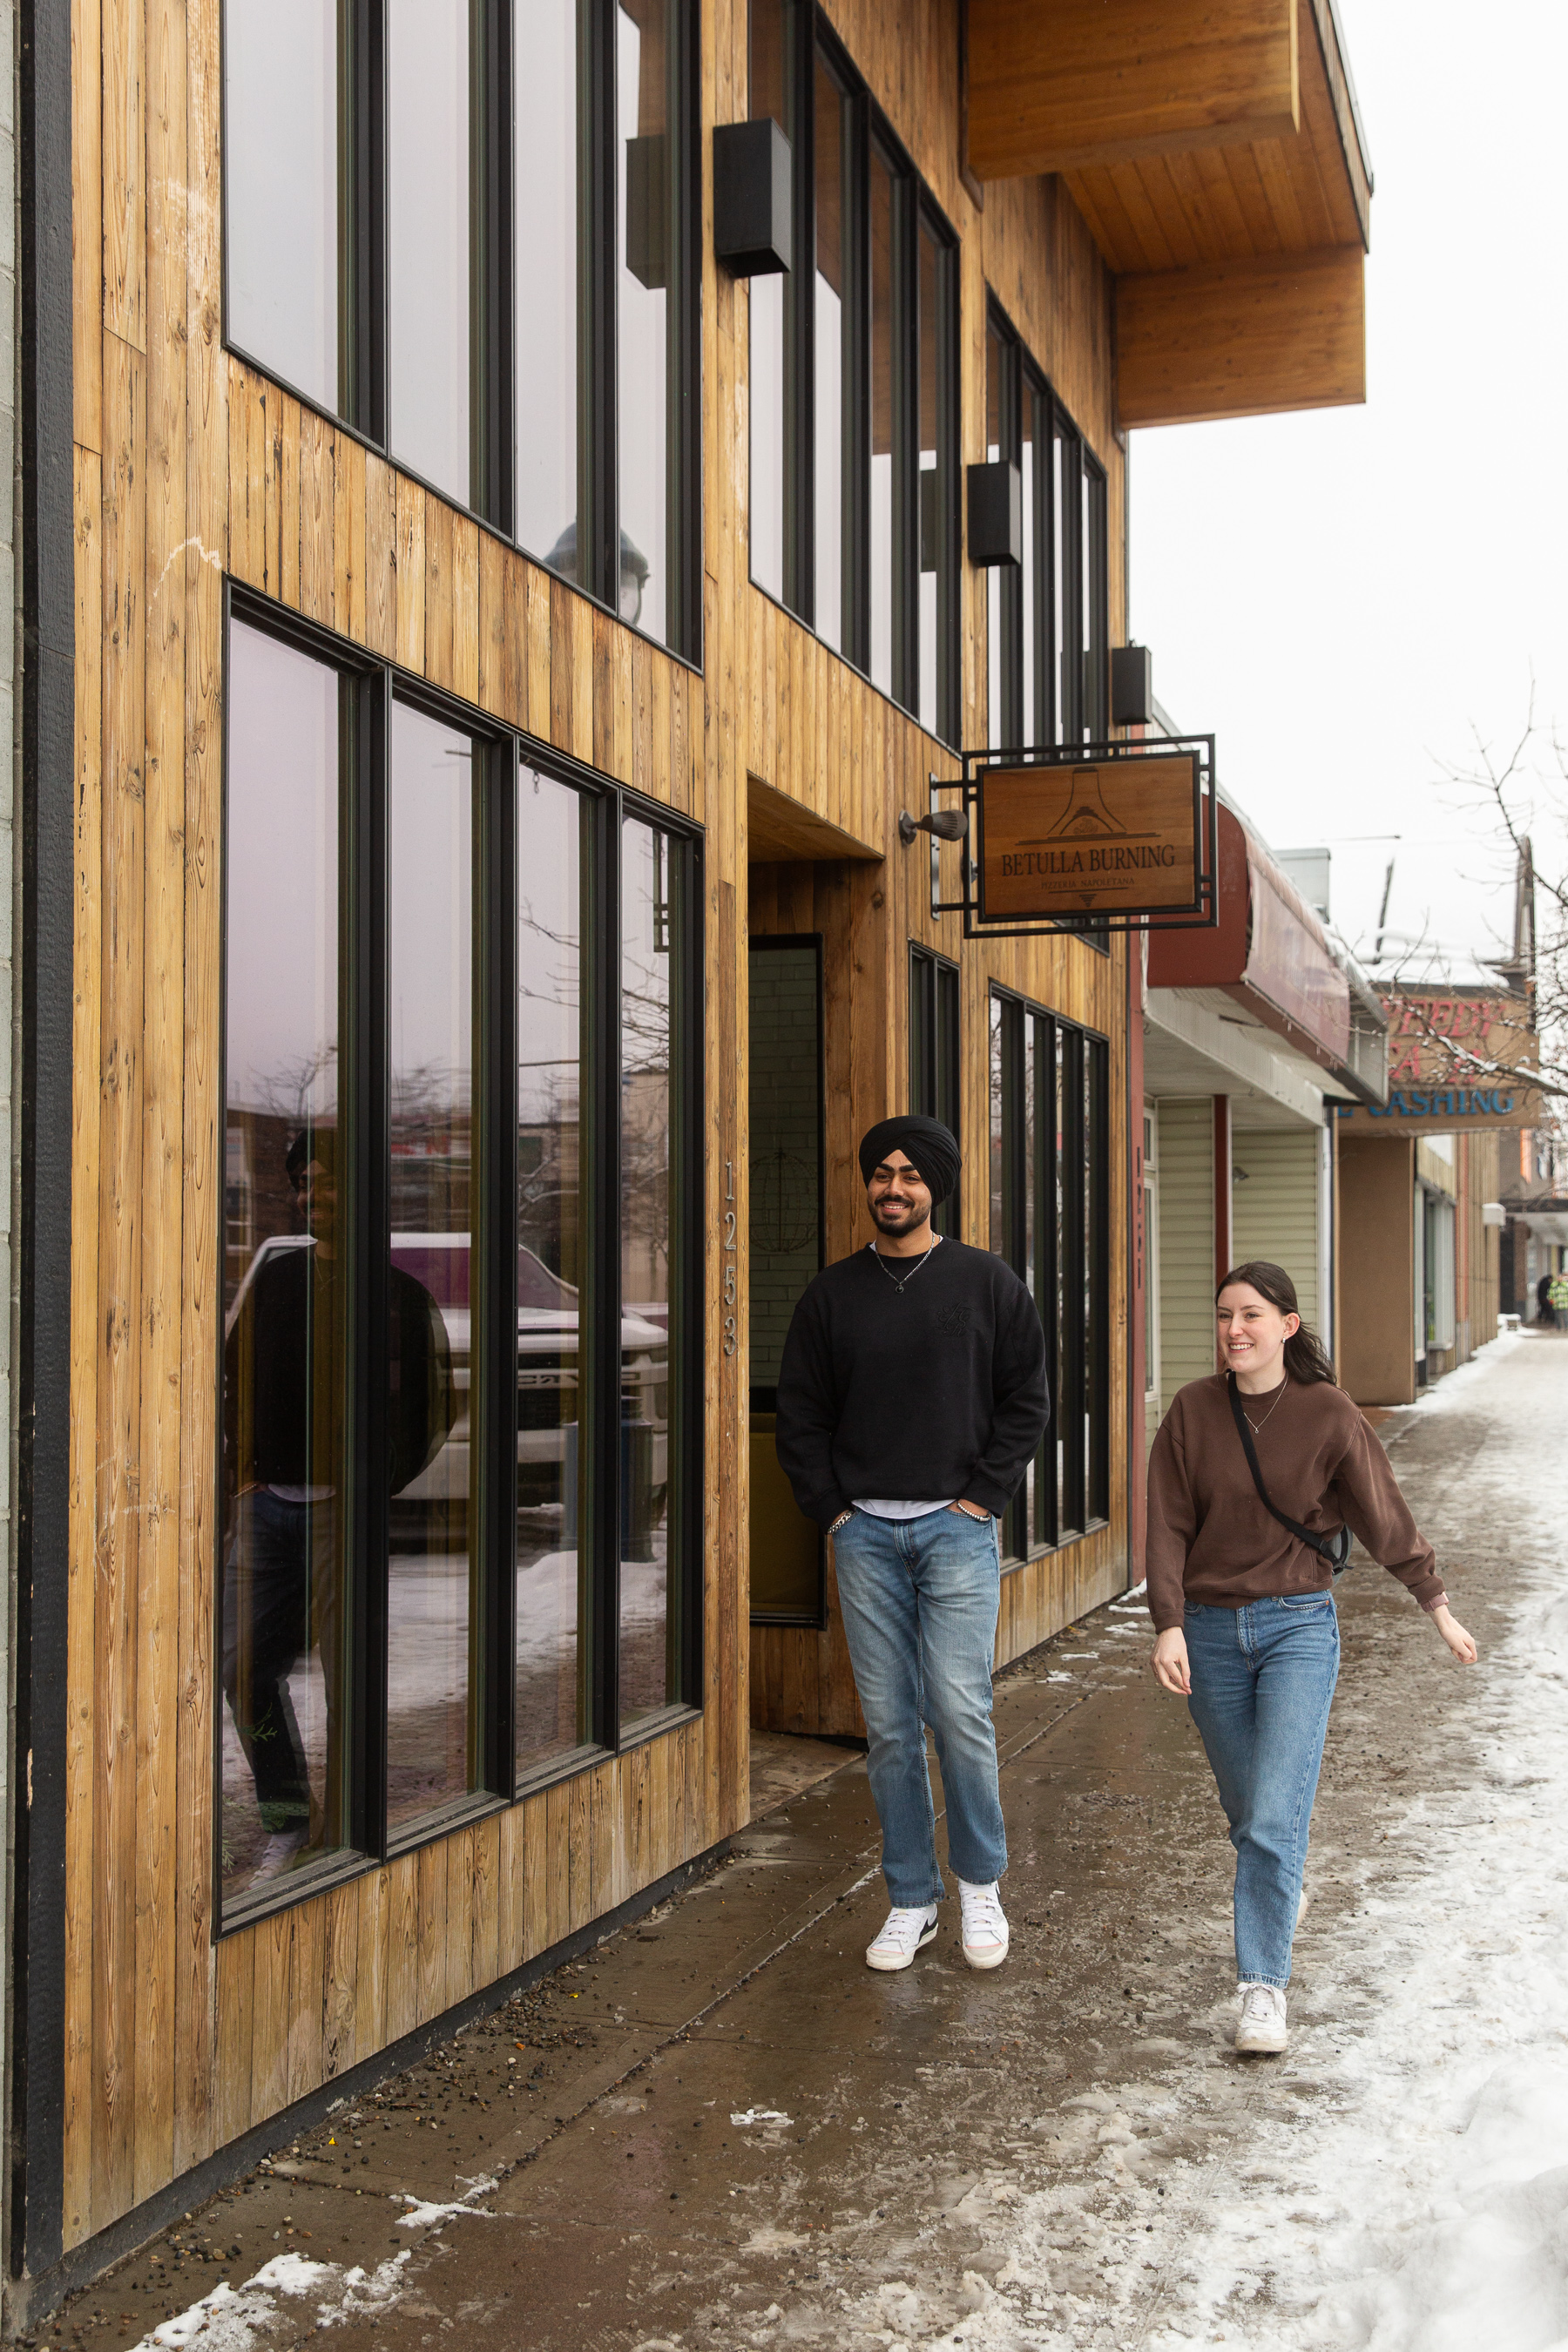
1215	149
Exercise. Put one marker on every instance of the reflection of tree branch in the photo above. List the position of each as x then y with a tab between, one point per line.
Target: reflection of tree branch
286	1092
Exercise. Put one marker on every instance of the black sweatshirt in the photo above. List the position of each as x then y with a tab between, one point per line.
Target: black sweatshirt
924	1395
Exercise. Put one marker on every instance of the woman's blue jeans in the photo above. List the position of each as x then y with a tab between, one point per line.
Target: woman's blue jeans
1263	1682
920	1599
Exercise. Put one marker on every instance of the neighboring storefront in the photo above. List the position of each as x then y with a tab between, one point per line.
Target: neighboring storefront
512	610
1422	1181
1251	1032
1532	1245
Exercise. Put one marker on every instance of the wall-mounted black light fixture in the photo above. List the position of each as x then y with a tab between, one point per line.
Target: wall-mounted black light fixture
648	210
947	824
995	514
1132	686
752	170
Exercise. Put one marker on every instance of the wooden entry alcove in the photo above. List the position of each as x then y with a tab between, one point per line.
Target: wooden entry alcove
808	880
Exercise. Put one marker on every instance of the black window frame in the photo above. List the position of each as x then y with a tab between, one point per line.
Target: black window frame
1072	701
364	164
1072	1262
808	36
936	1066
369	687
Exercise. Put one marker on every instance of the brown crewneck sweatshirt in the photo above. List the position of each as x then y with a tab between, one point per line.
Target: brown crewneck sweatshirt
1210	1539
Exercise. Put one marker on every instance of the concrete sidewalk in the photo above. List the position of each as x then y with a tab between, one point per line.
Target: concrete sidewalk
720	2128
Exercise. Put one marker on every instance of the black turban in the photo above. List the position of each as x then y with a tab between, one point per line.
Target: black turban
930	1147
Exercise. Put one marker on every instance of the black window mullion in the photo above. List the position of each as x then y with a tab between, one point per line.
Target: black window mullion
1037	652
856	526
685	1540
945	1077
684	392
599	546
599	1344
906	444
1072	1271
1048	1502
490	260
1015	1146
1099	1381
363	887
361	214
1071	525
492	1427
800	319
1014	652
1050	684
949	661
1096	630
920	1028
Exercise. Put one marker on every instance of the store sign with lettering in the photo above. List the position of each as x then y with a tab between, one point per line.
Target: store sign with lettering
1456	1063
1100	837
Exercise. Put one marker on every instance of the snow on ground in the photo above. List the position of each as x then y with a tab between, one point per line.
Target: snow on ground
1402	2181
247	2317
244	2318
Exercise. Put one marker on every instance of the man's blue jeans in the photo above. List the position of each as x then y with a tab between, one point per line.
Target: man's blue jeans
920	1599
1263	1680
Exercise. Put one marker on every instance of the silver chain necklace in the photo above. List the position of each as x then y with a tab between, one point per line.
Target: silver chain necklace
888	1270
1257	1427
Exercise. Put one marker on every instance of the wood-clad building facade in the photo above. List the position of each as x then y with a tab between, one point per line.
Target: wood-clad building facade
503	638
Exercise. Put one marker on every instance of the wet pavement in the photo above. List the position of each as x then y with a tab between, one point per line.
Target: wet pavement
721	2129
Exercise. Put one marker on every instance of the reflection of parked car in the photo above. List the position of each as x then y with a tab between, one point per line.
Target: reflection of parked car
547	1371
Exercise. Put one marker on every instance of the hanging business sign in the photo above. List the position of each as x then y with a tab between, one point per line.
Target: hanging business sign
1112	835
1458	1062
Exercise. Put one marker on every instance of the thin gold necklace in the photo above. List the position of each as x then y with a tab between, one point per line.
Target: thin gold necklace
1257	1427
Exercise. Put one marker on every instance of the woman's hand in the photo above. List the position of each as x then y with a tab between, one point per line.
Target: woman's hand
1168	1660
1461	1643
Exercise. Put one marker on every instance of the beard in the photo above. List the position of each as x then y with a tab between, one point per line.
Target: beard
898	1217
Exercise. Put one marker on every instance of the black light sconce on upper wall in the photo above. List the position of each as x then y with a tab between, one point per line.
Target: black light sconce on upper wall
995	514
753	176
1132	686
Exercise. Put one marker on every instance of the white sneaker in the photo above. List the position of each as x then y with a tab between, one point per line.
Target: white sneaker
277	1855
1260	2028
984	1926
905	1934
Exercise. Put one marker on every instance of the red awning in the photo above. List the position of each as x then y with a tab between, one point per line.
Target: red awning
1269	952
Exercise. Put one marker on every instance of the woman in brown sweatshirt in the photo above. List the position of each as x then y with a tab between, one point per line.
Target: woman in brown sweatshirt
1242	1608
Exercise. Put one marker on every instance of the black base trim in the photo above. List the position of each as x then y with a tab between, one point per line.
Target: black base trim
30	2301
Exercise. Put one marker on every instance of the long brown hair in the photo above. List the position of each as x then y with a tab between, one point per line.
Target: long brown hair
1306	1357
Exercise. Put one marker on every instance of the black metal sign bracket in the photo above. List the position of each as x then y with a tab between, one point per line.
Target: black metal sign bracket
970	784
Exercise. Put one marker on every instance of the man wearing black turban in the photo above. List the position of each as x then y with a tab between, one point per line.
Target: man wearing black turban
911	1398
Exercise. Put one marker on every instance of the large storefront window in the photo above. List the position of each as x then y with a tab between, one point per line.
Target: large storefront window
468	227
1047	621
854	383
1050	1180
461	1375
285	1373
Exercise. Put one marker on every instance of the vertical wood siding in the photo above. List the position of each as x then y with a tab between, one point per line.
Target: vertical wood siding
189	464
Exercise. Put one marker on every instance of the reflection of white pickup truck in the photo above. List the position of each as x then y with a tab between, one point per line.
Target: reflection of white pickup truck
546	1366
547	1371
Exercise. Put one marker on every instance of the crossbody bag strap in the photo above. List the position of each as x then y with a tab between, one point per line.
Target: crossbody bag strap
1336	1551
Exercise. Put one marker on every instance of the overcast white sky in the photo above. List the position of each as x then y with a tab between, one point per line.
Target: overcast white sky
1341	597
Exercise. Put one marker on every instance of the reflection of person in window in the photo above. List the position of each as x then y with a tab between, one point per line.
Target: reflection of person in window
284	1388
